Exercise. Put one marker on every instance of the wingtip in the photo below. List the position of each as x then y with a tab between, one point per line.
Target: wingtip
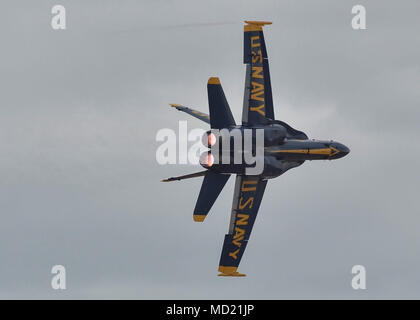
174	105
235	274
213	80
229	272
258	23
255	25
199	217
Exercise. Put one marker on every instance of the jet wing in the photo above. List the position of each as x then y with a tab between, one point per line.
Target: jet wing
197	114
258	100
247	198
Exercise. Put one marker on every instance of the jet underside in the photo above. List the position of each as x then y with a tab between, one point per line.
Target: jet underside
284	148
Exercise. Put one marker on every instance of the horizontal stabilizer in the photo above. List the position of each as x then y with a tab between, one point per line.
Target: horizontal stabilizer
187	176
211	187
196	114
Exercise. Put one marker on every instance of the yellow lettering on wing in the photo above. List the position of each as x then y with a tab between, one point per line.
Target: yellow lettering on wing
238	237
239	233
257	91
257	87
257	72
233	254
237	242
247	182
259	109
250	201
255	41
242	219
256	96
256	56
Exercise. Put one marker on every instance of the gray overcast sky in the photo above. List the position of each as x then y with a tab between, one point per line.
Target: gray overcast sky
80	186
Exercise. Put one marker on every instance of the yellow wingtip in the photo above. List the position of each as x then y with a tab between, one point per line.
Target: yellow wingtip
199	217
229	272
258	23
174	105
234	274
255	25
214	80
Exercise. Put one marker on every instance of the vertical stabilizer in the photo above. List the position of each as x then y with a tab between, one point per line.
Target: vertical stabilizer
213	184
220	114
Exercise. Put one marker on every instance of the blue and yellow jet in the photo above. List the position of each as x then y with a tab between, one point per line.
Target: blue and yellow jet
284	148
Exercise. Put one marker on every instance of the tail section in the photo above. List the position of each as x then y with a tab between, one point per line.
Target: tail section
220	114
213	184
253	31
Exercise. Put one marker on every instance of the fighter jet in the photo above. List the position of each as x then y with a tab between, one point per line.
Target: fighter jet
284	148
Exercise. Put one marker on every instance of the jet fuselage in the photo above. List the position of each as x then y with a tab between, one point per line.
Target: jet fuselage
282	150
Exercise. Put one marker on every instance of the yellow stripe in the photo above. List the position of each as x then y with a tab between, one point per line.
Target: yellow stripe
227	269
292	151
326	151
255	25
250	27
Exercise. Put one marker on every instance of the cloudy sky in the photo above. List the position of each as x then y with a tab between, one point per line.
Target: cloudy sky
80	185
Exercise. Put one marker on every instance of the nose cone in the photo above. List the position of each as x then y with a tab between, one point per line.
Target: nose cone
340	150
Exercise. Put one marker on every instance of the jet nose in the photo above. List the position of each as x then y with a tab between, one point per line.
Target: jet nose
344	149
341	148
